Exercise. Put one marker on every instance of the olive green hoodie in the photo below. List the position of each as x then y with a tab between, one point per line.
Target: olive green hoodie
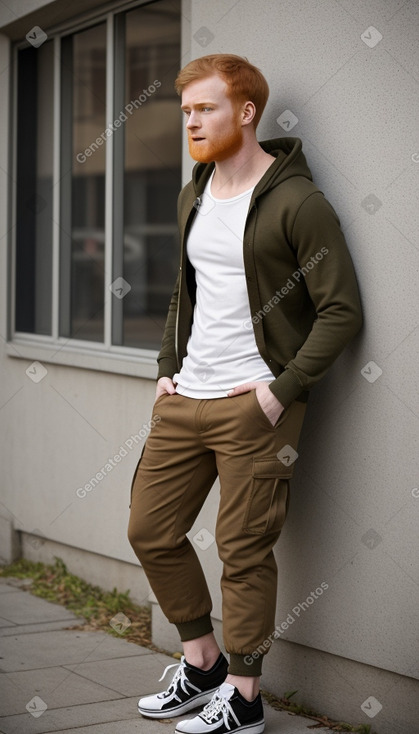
301	284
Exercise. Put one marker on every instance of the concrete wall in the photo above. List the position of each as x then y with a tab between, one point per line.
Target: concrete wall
348	72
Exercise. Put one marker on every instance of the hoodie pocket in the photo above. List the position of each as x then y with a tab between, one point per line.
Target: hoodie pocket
268	499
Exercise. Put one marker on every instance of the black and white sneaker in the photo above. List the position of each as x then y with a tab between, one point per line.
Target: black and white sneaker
227	713
190	687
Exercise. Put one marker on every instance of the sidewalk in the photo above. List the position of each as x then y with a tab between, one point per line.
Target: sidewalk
54	679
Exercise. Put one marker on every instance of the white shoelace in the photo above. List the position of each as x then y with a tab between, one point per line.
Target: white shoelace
179	677
219	704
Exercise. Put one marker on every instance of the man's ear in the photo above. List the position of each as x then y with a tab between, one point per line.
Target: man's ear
248	112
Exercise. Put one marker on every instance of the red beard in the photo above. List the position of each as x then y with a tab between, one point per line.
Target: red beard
226	145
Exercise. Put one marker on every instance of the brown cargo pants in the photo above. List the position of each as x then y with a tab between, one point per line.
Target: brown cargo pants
191	442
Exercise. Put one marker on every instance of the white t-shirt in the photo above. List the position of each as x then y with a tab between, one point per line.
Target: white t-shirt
221	350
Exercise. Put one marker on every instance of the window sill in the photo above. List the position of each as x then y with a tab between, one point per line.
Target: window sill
85	355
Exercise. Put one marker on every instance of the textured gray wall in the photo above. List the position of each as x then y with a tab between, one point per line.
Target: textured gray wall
348	72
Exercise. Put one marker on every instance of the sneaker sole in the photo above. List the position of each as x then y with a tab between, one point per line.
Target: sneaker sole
257	728
199	700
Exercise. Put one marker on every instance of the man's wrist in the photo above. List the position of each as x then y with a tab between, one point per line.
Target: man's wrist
286	388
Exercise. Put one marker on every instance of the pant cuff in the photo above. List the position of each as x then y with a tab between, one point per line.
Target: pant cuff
194	628
245	665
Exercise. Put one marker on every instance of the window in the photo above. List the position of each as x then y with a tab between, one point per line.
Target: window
98	166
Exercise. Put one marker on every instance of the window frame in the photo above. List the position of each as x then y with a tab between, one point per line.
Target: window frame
102	356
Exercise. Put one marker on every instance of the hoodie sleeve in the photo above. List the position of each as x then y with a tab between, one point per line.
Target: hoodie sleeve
333	290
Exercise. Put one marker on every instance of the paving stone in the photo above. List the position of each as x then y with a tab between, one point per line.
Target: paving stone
81	716
58	687
6	588
63	647
21	607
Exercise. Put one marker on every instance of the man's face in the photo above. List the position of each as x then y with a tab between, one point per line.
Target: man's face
213	122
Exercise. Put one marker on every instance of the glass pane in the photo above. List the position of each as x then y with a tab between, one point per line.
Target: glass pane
152	175
83	184
34	190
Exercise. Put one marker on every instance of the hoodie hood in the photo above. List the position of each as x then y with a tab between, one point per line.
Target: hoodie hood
290	161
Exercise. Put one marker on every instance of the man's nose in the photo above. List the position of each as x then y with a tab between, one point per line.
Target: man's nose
193	121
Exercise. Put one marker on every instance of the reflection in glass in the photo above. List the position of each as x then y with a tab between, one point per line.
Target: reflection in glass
34	190
83	184
150	184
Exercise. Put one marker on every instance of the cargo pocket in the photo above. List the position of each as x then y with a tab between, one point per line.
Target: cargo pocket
268	500
135	474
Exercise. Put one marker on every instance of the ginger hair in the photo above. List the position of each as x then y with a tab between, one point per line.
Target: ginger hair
244	81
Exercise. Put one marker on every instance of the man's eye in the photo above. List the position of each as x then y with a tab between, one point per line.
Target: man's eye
206	109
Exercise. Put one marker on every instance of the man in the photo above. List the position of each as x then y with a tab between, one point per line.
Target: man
265	300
